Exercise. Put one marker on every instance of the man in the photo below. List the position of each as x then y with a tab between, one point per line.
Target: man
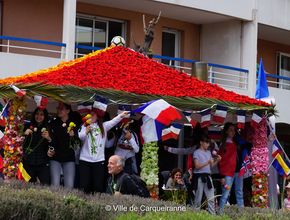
119	182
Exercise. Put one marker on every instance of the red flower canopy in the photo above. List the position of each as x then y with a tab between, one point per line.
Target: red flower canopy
123	69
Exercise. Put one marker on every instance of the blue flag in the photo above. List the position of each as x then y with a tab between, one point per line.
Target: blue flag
262	86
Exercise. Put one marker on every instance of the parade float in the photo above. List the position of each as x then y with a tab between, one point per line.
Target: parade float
123	76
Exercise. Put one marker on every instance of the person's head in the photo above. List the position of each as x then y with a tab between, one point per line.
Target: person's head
97	119
39	116
115	165
229	130
63	110
204	142
176	174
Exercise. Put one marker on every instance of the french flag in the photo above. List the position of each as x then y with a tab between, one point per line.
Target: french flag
100	105
214	133
220	114
171	132
159	110
241	118
4	114
19	92
85	107
187	115
205	118
246	169
41	102
151	130
276	149
256	119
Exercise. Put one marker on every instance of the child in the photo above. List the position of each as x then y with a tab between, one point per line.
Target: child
287	200
203	161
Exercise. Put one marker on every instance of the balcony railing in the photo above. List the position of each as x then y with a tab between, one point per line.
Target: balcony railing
22	45
225	76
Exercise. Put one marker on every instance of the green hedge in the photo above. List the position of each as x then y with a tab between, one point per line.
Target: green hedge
23	201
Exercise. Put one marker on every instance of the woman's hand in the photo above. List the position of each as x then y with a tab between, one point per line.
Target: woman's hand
218	158
71	133
50	153
28	132
45	135
125	114
180	181
88	129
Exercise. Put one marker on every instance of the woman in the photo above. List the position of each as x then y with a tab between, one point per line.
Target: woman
175	181
35	146
63	154
92	156
230	165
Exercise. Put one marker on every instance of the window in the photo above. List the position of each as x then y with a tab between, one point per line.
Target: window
96	32
283	68
170	45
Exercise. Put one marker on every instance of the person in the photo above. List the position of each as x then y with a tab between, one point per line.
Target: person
175	181
230	165
287	199
203	161
119	182
92	154
63	155
127	146
35	146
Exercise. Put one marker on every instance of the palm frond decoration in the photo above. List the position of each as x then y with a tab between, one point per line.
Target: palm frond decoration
74	94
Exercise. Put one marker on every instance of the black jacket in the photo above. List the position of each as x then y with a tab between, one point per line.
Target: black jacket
35	148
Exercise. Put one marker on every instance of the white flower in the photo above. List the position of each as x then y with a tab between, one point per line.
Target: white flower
43	129
64	124
35	129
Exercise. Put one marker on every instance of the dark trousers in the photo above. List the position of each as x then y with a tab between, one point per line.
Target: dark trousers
92	176
41	172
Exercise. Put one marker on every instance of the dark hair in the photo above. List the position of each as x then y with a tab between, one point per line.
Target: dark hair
45	121
205	138
174	171
225	135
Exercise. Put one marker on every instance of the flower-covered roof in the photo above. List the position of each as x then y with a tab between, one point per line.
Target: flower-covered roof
123	69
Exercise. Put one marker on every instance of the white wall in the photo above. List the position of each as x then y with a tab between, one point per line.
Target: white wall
18	64
282	103
238	8
274	13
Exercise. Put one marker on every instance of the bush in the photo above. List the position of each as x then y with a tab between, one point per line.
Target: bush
23	201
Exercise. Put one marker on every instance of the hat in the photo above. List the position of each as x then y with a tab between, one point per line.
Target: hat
288	186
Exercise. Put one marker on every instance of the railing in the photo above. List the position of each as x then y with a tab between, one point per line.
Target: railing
226	76
12	43
277	81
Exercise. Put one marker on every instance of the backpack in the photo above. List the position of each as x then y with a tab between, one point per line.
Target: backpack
140	185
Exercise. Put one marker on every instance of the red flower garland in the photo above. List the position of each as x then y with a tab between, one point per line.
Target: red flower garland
123	69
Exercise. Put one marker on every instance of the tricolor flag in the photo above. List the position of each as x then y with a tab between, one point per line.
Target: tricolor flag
205	118
256	119
220	114
19	92
282	166
160	111
4	114
276	149
171	132
100	105
22	174
188	115
85	107
151	130
241	118
214	133
246	169
41	102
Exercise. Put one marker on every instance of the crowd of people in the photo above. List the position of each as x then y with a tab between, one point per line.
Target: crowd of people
65	151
